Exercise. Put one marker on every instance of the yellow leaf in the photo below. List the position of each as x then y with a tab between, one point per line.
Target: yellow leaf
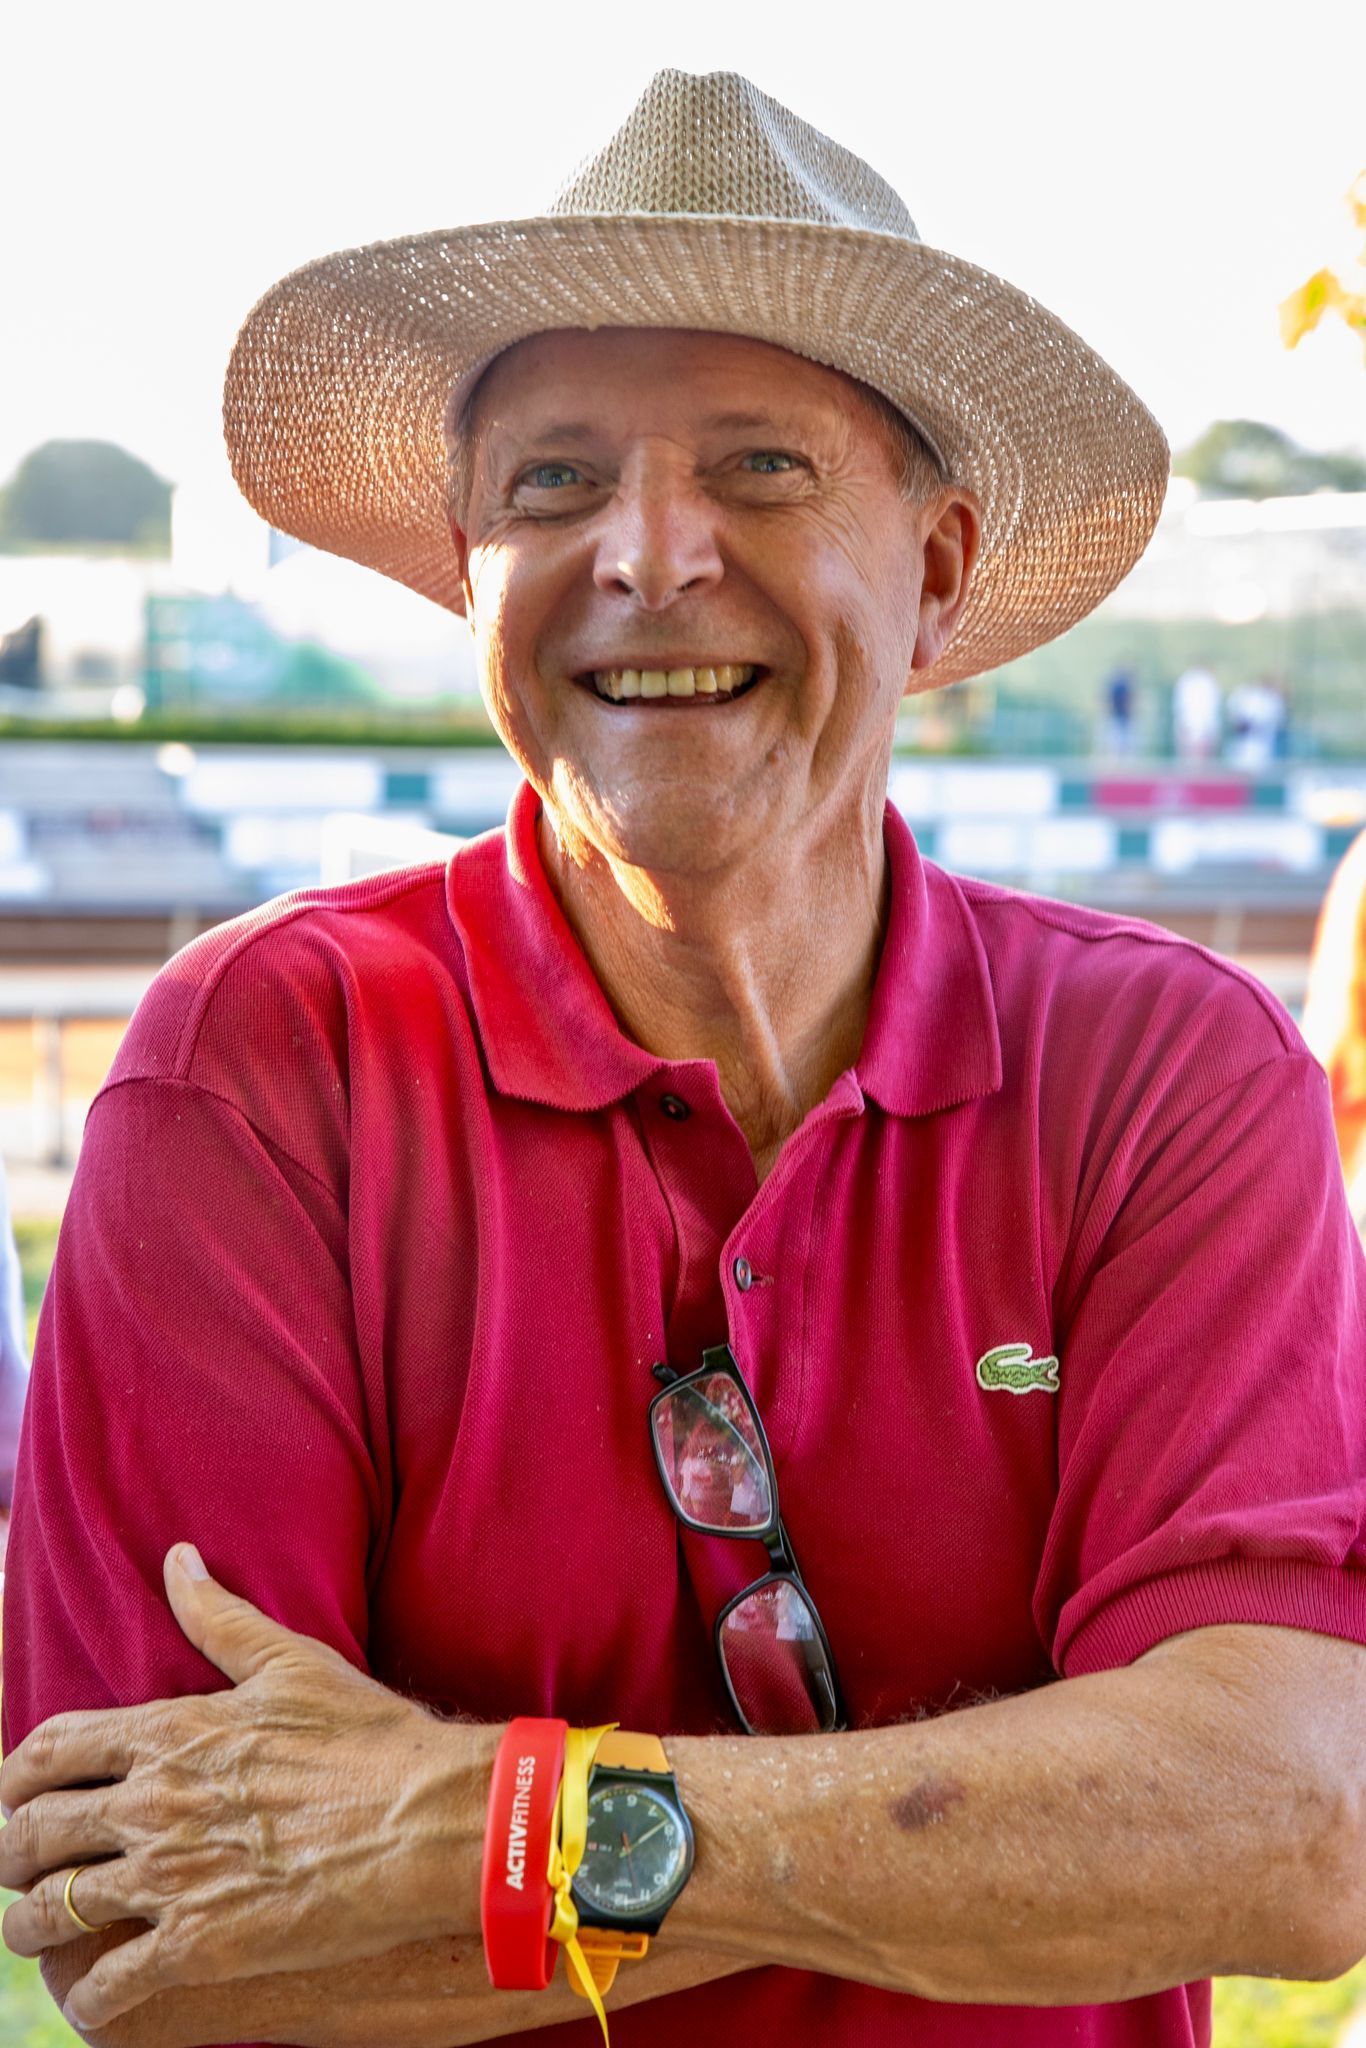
1356	199
1303	310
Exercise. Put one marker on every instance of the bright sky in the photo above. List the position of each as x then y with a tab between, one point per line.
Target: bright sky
1159	175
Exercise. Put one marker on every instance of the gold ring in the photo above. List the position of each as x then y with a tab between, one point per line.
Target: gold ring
84	1925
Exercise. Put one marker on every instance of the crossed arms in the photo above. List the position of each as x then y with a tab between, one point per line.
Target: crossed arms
304	1846
1202	1811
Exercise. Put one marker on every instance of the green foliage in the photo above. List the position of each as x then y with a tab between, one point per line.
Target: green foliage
36	1240
86	491
453	725
1252	2012
28	2017
1247	459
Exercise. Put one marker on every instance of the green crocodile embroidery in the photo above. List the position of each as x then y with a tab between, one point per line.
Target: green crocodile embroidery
1011	1367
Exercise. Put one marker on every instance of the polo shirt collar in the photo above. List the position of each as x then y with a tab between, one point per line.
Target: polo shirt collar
549	1034
932	1039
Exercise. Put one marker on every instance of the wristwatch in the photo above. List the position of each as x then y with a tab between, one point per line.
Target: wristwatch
639	1853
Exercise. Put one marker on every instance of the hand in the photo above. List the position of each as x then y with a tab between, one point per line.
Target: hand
307	1817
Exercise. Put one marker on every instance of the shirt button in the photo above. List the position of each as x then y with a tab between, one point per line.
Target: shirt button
676	1107
744	1275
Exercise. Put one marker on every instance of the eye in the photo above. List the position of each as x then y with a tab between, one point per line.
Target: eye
768	462
550	476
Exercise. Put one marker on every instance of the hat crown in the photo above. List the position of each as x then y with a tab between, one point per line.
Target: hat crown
714	144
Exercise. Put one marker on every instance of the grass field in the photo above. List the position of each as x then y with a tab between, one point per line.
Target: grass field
1248	2013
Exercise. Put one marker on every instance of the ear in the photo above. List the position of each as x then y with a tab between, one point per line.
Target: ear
950	539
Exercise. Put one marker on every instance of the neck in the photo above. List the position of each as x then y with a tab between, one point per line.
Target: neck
765	967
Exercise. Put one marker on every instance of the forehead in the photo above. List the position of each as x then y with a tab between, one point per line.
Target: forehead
627	376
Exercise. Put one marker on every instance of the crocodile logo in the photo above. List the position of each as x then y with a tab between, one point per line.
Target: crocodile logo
1011	1367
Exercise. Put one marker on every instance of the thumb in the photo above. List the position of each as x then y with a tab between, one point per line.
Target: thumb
227	1630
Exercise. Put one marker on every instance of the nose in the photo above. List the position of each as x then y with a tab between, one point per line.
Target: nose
657	538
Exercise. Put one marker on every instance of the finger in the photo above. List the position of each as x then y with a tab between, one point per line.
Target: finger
56	1830
121	1979
227	1630
75	1749
40	1920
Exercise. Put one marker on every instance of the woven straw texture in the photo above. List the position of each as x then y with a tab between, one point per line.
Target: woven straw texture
713	207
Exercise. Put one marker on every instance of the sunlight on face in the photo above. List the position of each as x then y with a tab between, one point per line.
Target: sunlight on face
694	584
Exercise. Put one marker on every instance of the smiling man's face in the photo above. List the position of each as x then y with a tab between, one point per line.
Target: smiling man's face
696	587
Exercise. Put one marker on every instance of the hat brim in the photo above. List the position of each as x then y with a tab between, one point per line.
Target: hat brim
339	384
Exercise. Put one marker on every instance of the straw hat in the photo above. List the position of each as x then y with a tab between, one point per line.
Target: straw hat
712	207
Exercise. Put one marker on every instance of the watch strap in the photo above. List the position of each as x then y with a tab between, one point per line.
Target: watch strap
604	1948
621	1750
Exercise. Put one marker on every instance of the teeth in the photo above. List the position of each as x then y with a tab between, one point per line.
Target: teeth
621	684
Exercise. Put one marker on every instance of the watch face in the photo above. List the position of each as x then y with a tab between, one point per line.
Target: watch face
637	1850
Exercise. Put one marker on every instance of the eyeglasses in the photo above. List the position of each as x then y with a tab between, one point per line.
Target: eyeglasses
717	1469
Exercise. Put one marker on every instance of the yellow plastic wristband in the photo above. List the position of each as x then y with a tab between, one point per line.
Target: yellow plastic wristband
568	1838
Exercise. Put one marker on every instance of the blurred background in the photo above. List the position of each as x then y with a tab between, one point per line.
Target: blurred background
197	714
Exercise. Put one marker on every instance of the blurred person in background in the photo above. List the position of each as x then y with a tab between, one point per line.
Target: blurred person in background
13	1360
1256	724
1335	1013
457	1256
1197	714
1118	735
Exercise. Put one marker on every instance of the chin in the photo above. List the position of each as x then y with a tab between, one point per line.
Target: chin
679	829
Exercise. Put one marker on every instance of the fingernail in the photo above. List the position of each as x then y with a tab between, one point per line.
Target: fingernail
71	2020
6	1812
191	1563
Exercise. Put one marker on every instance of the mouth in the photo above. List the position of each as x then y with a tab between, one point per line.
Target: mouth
721	684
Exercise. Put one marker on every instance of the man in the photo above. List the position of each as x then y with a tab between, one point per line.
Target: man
1011	1235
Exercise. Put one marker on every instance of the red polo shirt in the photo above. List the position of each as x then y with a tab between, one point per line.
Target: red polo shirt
381	1222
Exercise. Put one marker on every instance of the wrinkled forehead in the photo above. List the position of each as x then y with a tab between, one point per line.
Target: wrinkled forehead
612	366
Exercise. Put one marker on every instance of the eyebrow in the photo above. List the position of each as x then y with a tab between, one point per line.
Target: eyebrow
743	422
563	431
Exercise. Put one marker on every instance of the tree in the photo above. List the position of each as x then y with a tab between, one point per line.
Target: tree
1326	292
93	491
1248	459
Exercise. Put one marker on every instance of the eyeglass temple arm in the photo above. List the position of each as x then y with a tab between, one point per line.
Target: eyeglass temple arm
716	1358
781	1555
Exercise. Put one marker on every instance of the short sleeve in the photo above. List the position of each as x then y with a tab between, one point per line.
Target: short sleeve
195	1378
1212	1418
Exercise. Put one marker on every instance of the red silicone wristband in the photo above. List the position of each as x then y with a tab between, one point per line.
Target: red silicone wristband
515	1899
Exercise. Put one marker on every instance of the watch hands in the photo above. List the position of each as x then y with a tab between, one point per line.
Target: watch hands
640	1839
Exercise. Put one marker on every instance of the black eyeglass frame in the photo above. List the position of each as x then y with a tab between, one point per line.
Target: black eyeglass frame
782	1558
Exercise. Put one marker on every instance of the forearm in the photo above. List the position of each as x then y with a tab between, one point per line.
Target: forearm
432	1994
1096	1840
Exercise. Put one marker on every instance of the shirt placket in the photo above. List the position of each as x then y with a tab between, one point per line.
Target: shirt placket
765	1268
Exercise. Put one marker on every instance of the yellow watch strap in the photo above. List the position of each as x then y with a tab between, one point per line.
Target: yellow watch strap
568	1835
600	1949
620	1750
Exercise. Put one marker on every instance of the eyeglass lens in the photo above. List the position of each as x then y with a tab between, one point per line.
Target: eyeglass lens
775	1661
710	1455
712	1460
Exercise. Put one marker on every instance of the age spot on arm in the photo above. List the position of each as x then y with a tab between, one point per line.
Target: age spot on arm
927	1803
